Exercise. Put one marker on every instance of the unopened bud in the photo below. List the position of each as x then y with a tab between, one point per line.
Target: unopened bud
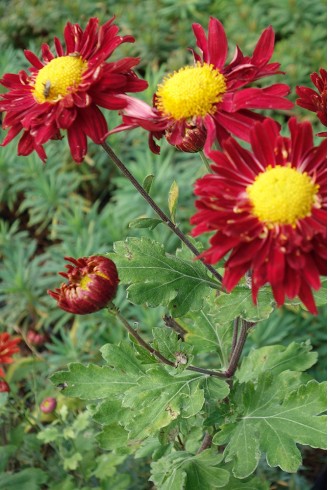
48	405
193	140
92	284
36	338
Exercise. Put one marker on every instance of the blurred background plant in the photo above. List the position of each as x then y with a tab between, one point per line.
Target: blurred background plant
61	209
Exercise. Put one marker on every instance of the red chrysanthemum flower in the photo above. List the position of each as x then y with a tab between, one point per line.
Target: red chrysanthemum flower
64	92
210	96
268	208
315	101
92	284
8	347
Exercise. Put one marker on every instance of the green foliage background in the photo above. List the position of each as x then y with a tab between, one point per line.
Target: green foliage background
49	211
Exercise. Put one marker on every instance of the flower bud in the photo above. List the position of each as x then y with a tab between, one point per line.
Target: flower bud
36	338
92	284
4	386
48	405
193	140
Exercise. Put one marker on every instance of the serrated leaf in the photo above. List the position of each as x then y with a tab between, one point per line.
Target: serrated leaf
108	412
207	333
276	359
159	398
239	303
29	479
72	462
156	278
147	183
122	358
150	223
91	382
185	471
112	436
173	199
272	420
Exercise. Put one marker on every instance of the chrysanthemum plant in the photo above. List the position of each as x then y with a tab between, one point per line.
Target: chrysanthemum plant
187	397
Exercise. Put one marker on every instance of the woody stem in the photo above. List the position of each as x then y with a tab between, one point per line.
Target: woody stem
120	165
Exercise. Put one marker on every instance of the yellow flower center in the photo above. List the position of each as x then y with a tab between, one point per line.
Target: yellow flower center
84	282
58	78
191	91
282	195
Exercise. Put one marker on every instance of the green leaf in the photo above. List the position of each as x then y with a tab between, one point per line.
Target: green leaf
276	359
72	462
29	479
184	471
113	436
160	398
148	182
123	358
320	297
239	303
248	484
170	346
156	278
150	223
173	199
108	412
49	434
106	465
91	382
207	333
3	400
272	419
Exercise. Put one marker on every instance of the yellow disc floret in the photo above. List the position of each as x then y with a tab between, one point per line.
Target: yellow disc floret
58	78
191	91
84	281
282	195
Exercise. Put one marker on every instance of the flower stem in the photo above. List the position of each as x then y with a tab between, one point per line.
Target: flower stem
236	353
172	323
113	309
235	334
207	442
119	164
205	162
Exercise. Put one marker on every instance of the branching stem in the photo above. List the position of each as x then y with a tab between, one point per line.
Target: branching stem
155	352
120	165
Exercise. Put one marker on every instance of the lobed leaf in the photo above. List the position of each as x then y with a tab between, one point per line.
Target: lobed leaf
240	303
157	278
91	382
185	471
272	419
276	359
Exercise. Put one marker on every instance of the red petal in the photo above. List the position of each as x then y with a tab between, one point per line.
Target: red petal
77	142
262	98
201	40
33	59
93	123
264	47
263	141
306	297
217	43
